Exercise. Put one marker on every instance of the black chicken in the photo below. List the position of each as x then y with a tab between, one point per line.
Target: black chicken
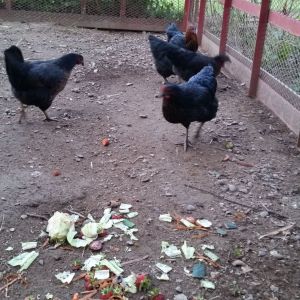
38	82
162	62
191	101
187	63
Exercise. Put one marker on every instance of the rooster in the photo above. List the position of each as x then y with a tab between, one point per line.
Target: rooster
38	82
188	41
191	101
187	63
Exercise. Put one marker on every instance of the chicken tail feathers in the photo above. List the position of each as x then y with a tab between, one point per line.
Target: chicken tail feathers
172	30
220	60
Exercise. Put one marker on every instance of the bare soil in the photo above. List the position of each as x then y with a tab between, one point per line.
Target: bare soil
143	166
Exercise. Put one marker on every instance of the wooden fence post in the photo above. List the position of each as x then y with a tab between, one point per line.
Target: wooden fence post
201	19
259	46
225	25
8	5
83	7
186	16
122	8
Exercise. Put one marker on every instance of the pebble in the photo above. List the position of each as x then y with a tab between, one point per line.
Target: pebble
129	83
190	207
12	229
130	243
248	297
232	187
143	116
276	254
23	217
274	288
178	289
238	263
264	214
41	262
180	297
262	252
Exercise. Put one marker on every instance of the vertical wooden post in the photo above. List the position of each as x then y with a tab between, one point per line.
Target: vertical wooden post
187	9
225	25
122	8
8	5
201	19
83	7
259	46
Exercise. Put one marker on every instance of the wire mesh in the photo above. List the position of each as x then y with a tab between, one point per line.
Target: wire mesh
281	60
213	17
242	32
289	8
158	11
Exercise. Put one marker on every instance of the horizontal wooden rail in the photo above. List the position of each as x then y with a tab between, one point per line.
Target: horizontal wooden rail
277	19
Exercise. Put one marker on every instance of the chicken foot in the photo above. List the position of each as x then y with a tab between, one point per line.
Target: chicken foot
198	130
48	119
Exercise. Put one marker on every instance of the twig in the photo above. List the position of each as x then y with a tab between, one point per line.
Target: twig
19	277
36	216
19	42
209	261
256	209
93	293
200	236
140	157
277	231
134	260
219	197
2	223
75	213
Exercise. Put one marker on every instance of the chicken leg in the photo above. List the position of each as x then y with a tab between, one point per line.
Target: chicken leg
48	119
198	130
22	113
187	143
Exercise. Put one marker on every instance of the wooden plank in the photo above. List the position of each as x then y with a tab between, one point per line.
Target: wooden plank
8	4
245	6
277	19
83	6
201	19
122	8
286	23
89	21
186	16
259	46
225	25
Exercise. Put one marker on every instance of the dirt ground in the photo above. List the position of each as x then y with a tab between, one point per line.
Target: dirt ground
143	166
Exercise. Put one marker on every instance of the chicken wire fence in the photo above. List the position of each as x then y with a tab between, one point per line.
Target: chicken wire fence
281	51
114	14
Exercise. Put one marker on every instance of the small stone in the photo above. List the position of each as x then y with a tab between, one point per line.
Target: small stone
23	217
262	252
264	214
41	262
130	243
91	95
143	116
230	225
76	90
221	232
238	263
149	220
180	297
274	288
96	246
249	297
232	187
276	254
12	229
178	289
190	207
214	275
129	83
77	159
